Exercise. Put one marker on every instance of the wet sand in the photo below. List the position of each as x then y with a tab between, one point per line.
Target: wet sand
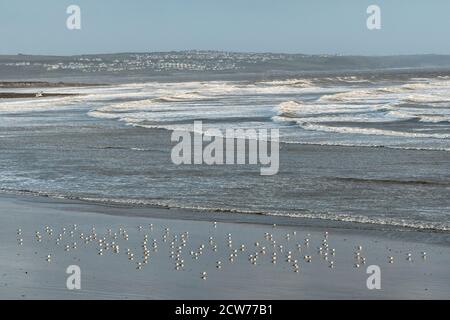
39	86
42	84
183	253
16	95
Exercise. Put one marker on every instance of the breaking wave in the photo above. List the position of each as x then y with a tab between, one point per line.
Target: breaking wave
371	131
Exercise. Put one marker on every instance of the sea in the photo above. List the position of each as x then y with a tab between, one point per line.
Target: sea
366	149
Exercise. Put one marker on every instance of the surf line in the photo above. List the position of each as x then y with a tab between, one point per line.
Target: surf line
207	147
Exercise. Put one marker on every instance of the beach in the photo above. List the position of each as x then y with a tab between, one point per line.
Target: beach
225	158
14	95
27	273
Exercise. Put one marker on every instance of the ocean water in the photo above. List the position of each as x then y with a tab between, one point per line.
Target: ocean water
364	149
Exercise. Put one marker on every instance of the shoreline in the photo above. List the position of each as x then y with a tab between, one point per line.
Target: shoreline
39	85
43	84
396	232
16	95
27	274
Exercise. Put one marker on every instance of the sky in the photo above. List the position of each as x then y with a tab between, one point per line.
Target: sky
289	26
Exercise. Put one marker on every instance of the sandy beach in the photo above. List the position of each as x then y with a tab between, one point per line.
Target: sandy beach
42	84
37	89
41	237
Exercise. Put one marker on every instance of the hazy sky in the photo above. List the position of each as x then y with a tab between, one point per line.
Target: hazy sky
293	26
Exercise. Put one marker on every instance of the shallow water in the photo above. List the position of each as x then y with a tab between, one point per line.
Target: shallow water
353	149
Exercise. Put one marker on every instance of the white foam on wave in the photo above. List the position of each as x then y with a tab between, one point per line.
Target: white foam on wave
423	115
305	83
370	131
427	98
385	221
300	109
434	119
349	96
127	106
184	96
365	145
422	92
176	105
137	107
301	112
41	104
389	90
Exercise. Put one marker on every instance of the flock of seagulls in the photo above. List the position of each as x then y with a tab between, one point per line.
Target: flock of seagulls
292	250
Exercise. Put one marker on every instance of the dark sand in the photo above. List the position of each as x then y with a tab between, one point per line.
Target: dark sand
43	84
15	95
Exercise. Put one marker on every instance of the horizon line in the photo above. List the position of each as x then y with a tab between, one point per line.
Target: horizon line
225	51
